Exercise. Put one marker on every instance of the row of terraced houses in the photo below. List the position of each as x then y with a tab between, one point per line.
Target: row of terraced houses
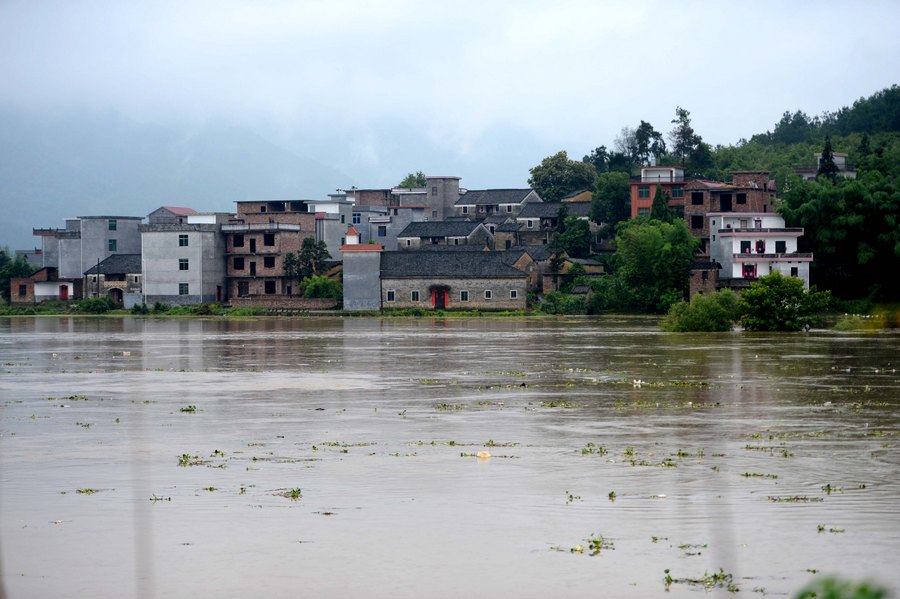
440	246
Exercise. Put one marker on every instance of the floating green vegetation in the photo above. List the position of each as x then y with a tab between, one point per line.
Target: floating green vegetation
597	543
570	497
592	448
492	443
829	489
629	452
486	403
430	381
192	409
834	587
83	424
612	496
189	460
821	528
720	579
656	539
436	443
158	498
87	491
70	398
795	499
450	407
692	549
210	489
292	494
759	475
561	403
217	454
510	373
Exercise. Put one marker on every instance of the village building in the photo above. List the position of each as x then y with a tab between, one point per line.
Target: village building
385	227
118	278
44	285
256	240
482	203
643	190
444	233
87	240
840	161
183	257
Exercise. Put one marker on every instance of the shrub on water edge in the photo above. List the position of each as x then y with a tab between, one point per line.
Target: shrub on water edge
704	313
555	302
779	303
94	305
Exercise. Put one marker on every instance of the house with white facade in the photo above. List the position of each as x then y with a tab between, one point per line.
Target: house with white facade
749	245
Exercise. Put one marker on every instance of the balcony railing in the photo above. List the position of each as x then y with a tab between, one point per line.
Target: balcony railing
762	230
260	227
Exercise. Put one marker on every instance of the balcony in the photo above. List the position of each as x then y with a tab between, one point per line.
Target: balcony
243	228
784	230
753	257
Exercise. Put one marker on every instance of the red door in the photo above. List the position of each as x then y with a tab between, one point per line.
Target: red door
63	293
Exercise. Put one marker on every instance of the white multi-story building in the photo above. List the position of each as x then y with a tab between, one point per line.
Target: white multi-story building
749	245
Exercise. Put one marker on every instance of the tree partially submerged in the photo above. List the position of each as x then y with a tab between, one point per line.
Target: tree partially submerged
779	303
704	313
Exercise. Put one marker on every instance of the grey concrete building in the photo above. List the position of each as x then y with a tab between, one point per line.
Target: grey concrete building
362	276
87	240
183	262
478	204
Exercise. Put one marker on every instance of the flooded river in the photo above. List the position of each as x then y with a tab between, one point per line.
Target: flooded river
339	458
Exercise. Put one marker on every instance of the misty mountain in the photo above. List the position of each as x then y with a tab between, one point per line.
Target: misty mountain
53	167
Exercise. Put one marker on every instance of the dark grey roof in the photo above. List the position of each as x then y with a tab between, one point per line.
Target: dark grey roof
497	218
586	261
492	196
447	264
117	264
541	210
507	228
441	247
580	209
439	228
538	253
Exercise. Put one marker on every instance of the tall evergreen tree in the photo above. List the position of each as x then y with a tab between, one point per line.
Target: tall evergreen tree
660	209
827	167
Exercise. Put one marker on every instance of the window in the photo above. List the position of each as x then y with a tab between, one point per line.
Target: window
455	241
269	287
744	223
243	289
741	198
183	289
704	275
492	228
760	247
745	247
488	294
269	262
111	245
480	209
677	191
408	242
513	294
382	231
182	241
529	223
697	221
509	208
463	296
391	295
262	208
269	239
643	212
357	218
643	191
714	237
183	264
781	247
434	214
238	241
794	271
343	219
434	190
395	211
111	224
465	209
725	202
507	244
23	289
238	264
414	295
697	198
435	240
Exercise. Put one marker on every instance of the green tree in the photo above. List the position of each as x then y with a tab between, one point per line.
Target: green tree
413	181
319	286
557	176
12	268
312	257
611	203
648	141
779	303
291	266
827	167
575	237
599	159
704	313
660	209
682	135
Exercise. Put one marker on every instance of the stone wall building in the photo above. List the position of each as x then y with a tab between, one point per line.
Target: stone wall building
118	278
44	285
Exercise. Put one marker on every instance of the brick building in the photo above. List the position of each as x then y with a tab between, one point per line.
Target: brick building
643	190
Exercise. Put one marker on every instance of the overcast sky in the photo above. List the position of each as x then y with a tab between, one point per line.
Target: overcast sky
479	89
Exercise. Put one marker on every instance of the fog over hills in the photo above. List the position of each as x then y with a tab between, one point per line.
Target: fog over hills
53	167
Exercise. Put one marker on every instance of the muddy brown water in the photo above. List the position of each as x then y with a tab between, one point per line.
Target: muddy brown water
377	422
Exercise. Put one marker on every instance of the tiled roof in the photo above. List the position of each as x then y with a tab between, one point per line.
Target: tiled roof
447	264
541	210
180	211
492	197
117	264
538	253
458	228
507	228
